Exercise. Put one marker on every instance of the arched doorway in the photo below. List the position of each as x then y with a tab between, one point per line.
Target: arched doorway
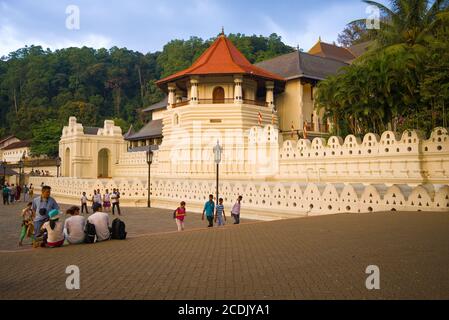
104	163
218	95
67	163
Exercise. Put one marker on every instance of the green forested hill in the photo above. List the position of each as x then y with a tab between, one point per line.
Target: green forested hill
37	85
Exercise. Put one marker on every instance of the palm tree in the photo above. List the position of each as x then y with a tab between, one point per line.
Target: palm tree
408	22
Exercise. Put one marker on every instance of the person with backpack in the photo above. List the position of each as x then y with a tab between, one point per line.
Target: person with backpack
101	222
74	226
179	216
209	208
54	230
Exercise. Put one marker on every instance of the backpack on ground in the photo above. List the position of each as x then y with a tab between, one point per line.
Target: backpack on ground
90	233
118	229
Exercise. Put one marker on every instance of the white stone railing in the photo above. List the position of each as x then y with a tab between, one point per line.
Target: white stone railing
262	199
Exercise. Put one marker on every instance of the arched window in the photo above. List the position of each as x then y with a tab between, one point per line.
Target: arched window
218	95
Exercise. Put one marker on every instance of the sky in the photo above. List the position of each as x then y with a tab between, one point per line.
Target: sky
146	25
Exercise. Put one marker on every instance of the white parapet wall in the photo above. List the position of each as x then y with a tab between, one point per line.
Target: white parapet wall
262	200
277	179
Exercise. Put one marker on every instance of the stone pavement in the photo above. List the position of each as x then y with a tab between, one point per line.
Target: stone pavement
139	222
309	258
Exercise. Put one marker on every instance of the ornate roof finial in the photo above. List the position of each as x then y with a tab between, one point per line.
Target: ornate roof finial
222	31
297	47
319	39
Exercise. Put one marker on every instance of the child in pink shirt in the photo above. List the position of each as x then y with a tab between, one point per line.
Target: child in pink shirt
180	213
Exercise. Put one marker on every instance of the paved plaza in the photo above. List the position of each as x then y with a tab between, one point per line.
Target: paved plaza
308	258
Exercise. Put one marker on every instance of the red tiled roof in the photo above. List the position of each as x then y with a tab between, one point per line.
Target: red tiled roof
222	57
332	51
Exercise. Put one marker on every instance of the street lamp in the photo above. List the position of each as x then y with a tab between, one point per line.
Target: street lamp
149	161
58	164
217	153
20	172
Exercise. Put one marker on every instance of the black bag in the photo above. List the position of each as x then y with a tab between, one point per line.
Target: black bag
174	214
90	233
118	229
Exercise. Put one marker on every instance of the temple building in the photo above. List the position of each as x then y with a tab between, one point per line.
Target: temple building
222	75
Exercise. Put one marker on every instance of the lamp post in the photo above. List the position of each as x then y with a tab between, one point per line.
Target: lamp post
217	153
20	172
149	161
58	165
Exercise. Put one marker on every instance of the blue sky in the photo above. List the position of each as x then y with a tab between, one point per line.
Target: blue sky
147	25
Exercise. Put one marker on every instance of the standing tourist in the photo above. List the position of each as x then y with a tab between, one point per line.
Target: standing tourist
12	193
115	199
84	203
96	198
235	212
180	214
5	192
18	192
41	208
31	191
107	201
220	213
27	223
25	193
209	207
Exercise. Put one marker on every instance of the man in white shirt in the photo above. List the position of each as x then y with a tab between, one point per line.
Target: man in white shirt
74	226
84	203
101	222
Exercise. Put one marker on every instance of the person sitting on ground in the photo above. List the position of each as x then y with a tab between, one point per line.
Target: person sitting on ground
101	222
27	223
74	226
54	230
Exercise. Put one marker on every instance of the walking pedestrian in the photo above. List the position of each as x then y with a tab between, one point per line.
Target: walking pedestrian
220	215
180	214
31	192
12	193
235	212
209	207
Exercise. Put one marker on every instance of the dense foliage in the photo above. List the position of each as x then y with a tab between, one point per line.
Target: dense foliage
402	82
94	85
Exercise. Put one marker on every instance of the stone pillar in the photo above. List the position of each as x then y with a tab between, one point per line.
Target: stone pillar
194	91
238	91
269	85
171	95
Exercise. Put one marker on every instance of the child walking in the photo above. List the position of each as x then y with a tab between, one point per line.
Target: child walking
27	228
220	213
180	214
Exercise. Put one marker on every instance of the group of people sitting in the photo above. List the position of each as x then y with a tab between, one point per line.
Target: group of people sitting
41	221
